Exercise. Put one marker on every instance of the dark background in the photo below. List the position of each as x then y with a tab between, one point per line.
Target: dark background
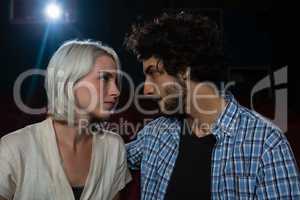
257	41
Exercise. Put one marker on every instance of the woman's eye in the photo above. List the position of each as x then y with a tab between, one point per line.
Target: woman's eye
104	77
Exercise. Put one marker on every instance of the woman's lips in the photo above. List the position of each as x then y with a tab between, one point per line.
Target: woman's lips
110	103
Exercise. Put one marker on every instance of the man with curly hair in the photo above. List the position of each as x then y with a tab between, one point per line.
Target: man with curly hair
206	146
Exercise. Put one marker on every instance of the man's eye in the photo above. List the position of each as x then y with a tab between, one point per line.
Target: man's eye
152	72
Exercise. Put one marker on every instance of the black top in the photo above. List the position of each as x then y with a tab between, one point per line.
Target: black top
191	177
77	191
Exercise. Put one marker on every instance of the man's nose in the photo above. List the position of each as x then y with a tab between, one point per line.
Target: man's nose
148	88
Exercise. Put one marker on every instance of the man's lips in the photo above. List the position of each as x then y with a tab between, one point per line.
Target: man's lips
153	97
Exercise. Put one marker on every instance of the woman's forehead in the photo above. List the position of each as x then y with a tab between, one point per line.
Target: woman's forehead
105	63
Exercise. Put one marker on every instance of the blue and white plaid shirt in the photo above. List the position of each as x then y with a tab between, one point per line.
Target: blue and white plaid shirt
252	159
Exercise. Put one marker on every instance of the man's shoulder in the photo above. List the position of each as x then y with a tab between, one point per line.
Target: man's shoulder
260	128
163	123
256	120
161	126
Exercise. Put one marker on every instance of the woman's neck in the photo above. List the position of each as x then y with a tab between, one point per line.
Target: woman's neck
69	136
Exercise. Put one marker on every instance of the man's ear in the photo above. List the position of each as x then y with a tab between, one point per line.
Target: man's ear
184	75
160	66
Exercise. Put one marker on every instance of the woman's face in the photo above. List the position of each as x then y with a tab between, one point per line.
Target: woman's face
97	92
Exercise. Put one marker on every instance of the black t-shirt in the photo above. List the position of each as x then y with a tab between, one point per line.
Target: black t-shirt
191	177
77	191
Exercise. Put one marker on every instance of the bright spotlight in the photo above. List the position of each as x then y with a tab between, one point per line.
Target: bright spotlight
53	11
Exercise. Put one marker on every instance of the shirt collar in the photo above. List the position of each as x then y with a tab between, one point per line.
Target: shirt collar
226	122
175	129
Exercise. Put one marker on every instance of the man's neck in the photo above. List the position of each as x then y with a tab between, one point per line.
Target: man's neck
205	110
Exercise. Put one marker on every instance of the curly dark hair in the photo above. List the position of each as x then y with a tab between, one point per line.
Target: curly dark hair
181	40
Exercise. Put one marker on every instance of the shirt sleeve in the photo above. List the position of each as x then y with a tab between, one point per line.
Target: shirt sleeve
278	173
135	151
7	179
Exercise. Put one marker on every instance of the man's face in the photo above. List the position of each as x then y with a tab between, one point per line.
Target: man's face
163	87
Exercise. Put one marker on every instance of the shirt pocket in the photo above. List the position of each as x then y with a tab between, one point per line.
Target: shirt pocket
237	187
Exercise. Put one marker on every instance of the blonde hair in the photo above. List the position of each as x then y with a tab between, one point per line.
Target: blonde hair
71	62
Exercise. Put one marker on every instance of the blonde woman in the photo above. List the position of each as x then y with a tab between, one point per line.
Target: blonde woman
62	158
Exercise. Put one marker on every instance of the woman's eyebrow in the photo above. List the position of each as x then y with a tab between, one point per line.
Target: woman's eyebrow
105	67
109	74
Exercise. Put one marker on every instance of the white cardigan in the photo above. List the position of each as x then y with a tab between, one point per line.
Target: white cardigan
31	169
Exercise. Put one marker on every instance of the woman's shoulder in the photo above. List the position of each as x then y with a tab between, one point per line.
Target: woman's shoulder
21	138
110	137
112	143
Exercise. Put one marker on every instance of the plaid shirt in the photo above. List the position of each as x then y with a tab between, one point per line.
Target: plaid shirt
252	159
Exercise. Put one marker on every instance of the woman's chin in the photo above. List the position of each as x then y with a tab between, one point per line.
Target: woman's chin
103	115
